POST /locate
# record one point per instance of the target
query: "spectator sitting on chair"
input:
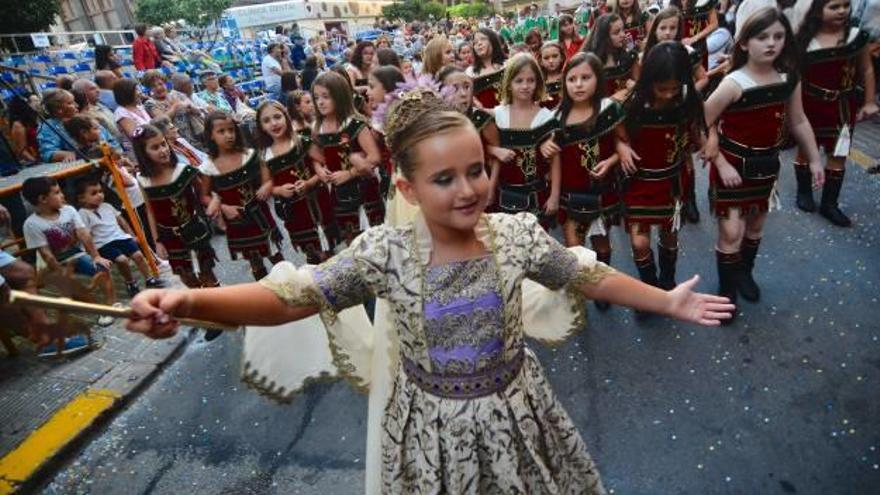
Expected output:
(166, 52)
(112, 234)
(54, 142)
(88, 98)
(130, 113)
(105, 80)
(58, 233)
(190, 124)
(212, 95)
(23, 130)
(106, 59)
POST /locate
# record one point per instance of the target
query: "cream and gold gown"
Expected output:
(458, 403)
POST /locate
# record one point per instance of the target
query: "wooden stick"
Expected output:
(134, 219)
(71, 306)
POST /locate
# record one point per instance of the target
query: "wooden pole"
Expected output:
(135, 221)
(70, 306)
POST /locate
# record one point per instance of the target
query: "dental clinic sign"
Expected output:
(280, 12)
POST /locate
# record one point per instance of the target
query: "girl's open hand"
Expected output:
(264, 192)
(230, 212)
(152, 310)
(504, 155)
(627, 158)
(695, 307)
(868, 110)
(729, 176)
(602, 168)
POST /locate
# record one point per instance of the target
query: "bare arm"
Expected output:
(802, 132)
(49, 257)
(869, 82)
(155, 309)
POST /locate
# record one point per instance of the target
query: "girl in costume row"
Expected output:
(834, 57)
(453, 278)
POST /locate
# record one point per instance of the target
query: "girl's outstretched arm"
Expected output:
(681, 303)
(243, 304)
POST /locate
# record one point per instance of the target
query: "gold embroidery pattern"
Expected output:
(589, 153)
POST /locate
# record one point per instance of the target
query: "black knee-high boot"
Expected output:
(667, 258)
(647, 272)
(604, 257)
(804, 187)
(728, 270)
(747, 286)
(830, 194)
(690, 211)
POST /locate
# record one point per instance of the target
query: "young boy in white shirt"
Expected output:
(112, 234)
(58, 233)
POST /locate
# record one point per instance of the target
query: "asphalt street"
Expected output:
(785, 401)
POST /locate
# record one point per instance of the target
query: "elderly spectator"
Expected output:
(144, 51)
(54, 142)
(190, 124)
(212, 95)
(131, 113)
(89, 102)
(233, 94)
(166, 51)
(106, 59)
(105, 80)
(174, 105)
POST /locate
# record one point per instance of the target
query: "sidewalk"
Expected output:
(47, 405)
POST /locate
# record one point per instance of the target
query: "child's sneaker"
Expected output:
(154, 283)
(107, 320)
(133, 289)
(71, 345)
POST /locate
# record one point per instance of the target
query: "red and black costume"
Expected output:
(831, 103)
(487, 89)
(348, 198)
(180, 220)
(523, 183)
(829, 88)
(695, 19)
(583, 198)
(553, 96)
(248, 235)
(305, 214)
(617, 76)
(636, 31)
(751, 132)
(653, 195)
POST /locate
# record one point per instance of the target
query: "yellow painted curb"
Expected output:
(861, 158)
(47, 440)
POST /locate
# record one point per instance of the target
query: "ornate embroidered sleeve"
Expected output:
(348, 279)
(554, 266)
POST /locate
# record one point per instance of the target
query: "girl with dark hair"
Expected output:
(835, 57)
(665, 27)
(635, 22)
(349, 158)
(664, 118)
(107, 59)
(552, 59)
(301, 110)
(487, 69)
(130, 114)
(301, 201)
(238, 184)
(382, 81)
(526, 179)
(621, 68)
(569, 38)
(176, 218)
(24, 122)
(586, 140)
(534, 42)
(700, 19)
(387, 56)
(361, 64)
(748, 116)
